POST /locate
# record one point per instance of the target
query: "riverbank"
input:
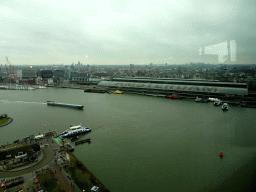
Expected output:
(84, 178)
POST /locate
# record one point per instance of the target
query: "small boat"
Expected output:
(173, 97)
(198, 99)
(213, 99)
(201, 100)
(224, 107)
(118, 92)
(74, 138)
(217, 103)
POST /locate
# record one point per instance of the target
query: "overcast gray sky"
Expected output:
(123, 31)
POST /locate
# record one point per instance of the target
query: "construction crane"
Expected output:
(6, 70)
(10, 71)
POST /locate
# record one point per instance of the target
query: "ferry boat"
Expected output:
(224, 107)
(75, 127)
(52, 103)
(75, 132)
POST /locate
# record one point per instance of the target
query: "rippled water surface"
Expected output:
(142, 143)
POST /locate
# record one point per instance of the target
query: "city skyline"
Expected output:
(124, 32)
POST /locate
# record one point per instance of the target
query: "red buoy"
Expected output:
(221, 154)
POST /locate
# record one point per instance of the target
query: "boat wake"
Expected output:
(7, 101)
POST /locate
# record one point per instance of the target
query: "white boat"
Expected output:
(75, 127)
(39, 87)
(213, 99)
(75, 132)
(225, 107)
(217, 103)
(19, 88)
(37, 137)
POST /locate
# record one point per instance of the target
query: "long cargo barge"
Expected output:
(52, 103)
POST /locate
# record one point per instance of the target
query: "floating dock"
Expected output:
(52, 103)
(83, 141)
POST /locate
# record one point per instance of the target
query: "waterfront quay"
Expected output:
(35, 162)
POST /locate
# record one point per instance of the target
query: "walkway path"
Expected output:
(46, 160)
(61, 179)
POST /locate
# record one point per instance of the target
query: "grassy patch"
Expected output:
(84, 179)
(48, 182)
(3, 120)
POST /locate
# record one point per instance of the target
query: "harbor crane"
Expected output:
(10, 71)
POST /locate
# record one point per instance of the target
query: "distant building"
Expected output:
(28, 73)
(19, 73)
(78, 76)
(46, 73)
(59, 74)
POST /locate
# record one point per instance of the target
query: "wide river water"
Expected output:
(142, 143)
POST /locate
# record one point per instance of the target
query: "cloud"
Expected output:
(120, 31)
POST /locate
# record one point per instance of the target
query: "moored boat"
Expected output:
(118, 92)
(75, 127)
(40, 87)
(213, 99)
(75, 132)
(95, 90)
(174, 96)
(198, 99)
(217, 103)
(225, 107)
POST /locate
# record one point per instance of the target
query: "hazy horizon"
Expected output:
(123, 32)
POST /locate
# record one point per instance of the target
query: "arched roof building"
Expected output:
(177, 85)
